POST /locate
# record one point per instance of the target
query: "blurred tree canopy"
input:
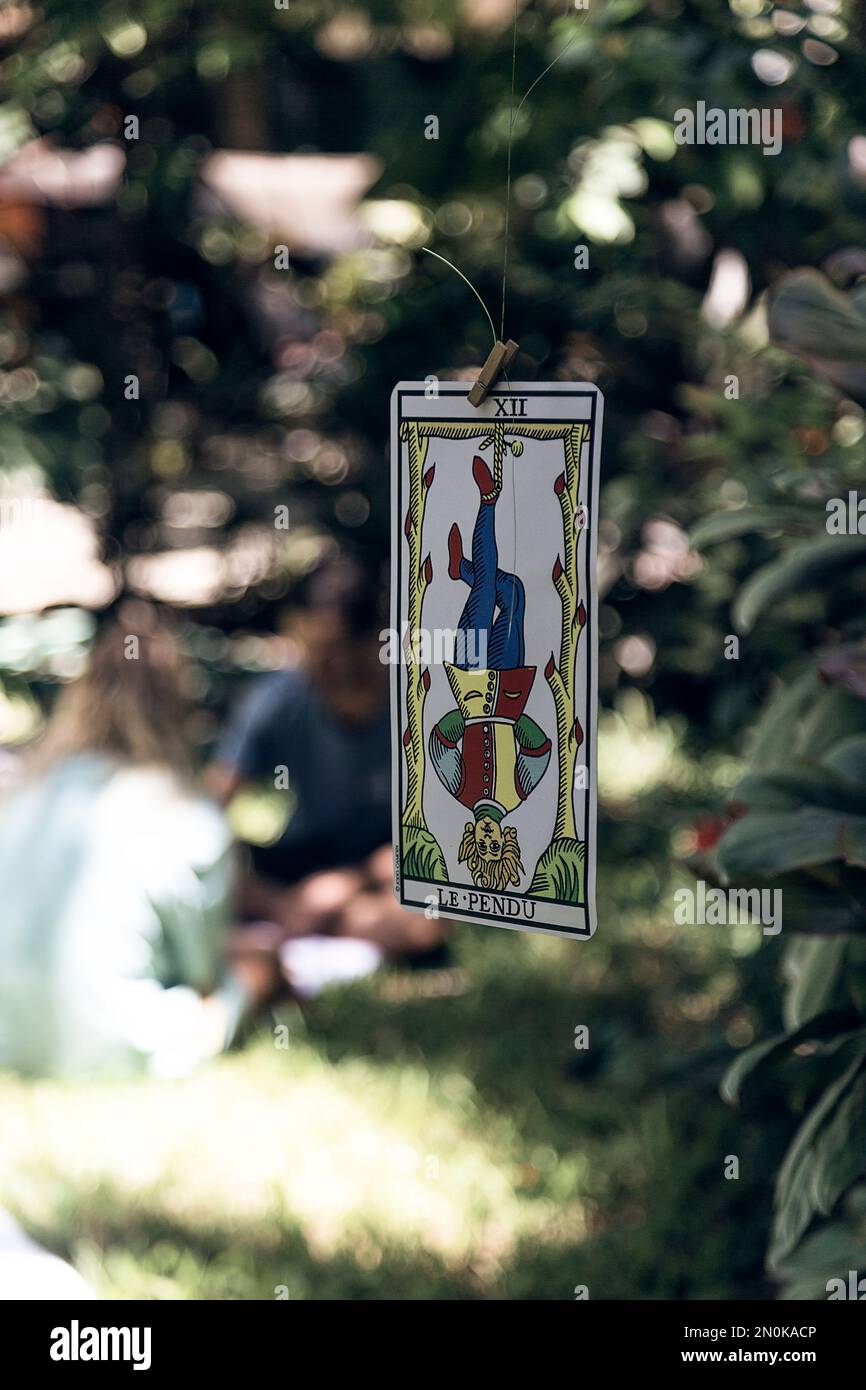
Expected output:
(211, 275)
(144, 249)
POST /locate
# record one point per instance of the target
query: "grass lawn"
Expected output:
(441, 1137)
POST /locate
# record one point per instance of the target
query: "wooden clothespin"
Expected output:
(500, 359)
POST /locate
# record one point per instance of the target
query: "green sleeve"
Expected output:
(529, 734)
(452, 726)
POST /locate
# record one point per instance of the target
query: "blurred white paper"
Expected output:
(312, 963)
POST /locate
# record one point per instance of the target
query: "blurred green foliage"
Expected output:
(262, 388)
(269, 387)
(801, 821)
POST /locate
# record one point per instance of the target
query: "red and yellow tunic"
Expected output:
(487, 752)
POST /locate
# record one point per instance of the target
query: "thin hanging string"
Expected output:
(511, 119)
(466, 281)
(505, 274)
(512, 114)
(511, 123)
(561, 54)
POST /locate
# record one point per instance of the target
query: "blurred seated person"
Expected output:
(327, 722)
(116, 878)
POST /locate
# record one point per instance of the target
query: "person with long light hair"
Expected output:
(116, 877)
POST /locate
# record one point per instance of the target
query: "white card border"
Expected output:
(587, 914)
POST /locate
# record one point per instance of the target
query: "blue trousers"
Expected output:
(490, 639)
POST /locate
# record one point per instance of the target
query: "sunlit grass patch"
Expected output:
(436, 1135)
(352, 1155)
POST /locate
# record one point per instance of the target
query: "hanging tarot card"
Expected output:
(494, 649)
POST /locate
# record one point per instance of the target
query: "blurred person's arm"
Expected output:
(223, 781)
(191, 889)
(245, 751)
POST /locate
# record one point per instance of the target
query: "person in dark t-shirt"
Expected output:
(325, 722)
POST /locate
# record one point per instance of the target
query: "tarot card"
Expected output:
(494, 652)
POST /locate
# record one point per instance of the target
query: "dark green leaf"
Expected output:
(799, 568)
(795, 1189)
(815, 968)
(826, 1027)
(809, 316)
(765, 843)
(724, 526)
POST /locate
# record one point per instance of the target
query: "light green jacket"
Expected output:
(115, 894)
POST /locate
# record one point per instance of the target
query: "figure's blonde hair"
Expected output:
(132, 708)
(493, 873)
